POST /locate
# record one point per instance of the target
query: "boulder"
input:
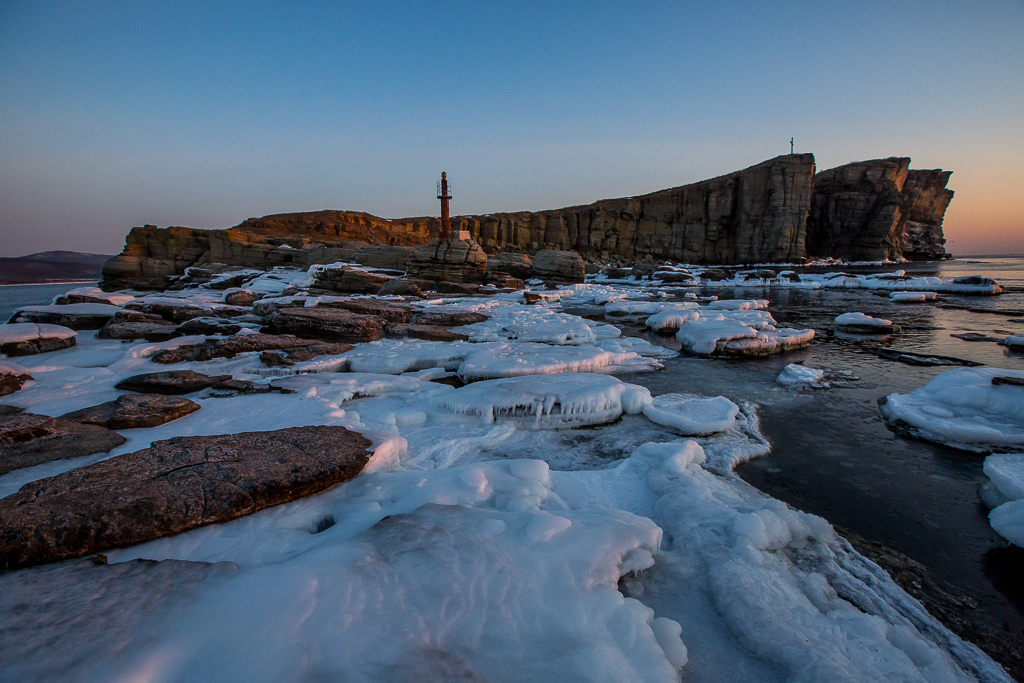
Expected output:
(27, 439)
(229, 347)
(134, 411)
(348, 280)
(453, 260)
(137, 325)
(26, 339)
(333, 324)
(558, 265)
(85, 316)
(174, 486)
(180, 312)
(172, 383)
(240, 297)
(517, 265)
(400, 287)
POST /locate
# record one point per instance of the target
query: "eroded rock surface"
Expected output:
(229, 347)
(171, 487)
(334, 324)
(27, 339)
(134, 411)
(27, 439)
(453, 260)
(558, 265)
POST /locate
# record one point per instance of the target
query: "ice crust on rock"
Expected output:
(912, 297)
(530, 324)
(1007, 474)
(798, 374)
(1015, 343)
(519, 359)
(546, 402)
(690, 414)
(963, 409)
(13, 333)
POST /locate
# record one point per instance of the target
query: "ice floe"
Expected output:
(798, 374)
(861, 320)
(962, 408)
(912, 297)
(518, 359)
(693, 415)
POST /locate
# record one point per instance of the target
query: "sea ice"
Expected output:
(546, 402)
(690, 414)
(1007, 475)
(530, 324)
(963, 409)
(1014, 343)
(798, 374)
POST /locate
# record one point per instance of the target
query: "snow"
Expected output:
(860, 319)
(912, 297)
(963, 409)
(13, 333)
(517, 359)
(545, 402)
(693, 415)
(798, 374)
(738, 305)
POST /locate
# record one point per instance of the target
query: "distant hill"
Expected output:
(51, 266)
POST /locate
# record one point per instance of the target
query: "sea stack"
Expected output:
(452, 256)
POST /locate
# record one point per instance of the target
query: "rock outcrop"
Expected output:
(171, 383)
(556, 265)
(171, 487)
(879, 209)
(459, 259)
(27, 339)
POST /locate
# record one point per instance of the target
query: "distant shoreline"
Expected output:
(47, 282)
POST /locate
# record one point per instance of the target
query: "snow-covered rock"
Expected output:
(798, 374)
(912, 297)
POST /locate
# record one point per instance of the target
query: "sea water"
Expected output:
(13, 297)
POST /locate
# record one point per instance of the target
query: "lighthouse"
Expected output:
(445, 197)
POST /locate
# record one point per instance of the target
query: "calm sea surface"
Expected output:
(16, 296)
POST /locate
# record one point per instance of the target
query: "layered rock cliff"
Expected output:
(878, 209)
(754, 215)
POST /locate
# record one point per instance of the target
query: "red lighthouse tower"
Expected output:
(444, 196)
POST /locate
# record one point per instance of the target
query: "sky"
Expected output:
(203, 114)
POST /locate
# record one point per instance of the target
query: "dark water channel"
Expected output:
(833, 456)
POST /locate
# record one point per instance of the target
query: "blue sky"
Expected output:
(202, 114)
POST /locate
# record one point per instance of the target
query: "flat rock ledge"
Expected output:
(172, 487)
(27, 439)
(134, 411)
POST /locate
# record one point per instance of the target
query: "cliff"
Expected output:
(754, 215)
(878, 209)
(776, 211)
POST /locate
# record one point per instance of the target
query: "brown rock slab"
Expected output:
(241, 297)
(392, 313)
(428, 332)
(27, 439)
(87, 318)
(231, 346)
(134, 411)
(335, 324)
(349, 280)
(174, 486)
(400, 287)
(170, 383)
(11, 381)
(453, 260)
